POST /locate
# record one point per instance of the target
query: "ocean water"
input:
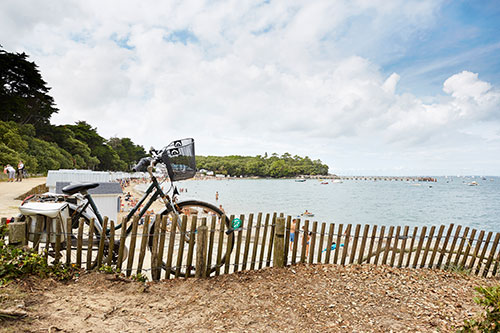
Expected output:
(449, 200)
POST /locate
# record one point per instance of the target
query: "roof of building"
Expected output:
(103, 188)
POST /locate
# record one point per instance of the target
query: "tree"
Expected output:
(24, 94)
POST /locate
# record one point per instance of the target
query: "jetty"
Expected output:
(376, 178)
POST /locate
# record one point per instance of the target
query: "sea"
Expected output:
(397, 203)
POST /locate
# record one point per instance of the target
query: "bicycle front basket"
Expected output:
(179, 158)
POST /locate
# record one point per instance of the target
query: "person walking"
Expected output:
(11, 172)
(20, 171)
(217, 196)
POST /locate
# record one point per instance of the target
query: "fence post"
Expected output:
(279, 243)
(3, 223)
(201, 252)
(17, 233)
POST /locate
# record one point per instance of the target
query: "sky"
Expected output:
(369, 87)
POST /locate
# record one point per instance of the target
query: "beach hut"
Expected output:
(106, 195)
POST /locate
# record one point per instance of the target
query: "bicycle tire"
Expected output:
(206, 208)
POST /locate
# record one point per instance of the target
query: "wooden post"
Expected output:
(279, 243)
(170, 250)
(144, 243)
(100, 251)
(288, 224)
(363, 244)
(295, 241)
(229, 245)
(121, 248)
(271, 239)
(68, 240)
(372, 243)
(395, 247)
(483, 253)
(312, 244)
(220, 244)
(79, 243)
(111, 246)
(321, 241)
(180, 251)
(201, 252)
(461, 246)
(419, 246)
(155, 263)
(355, 243)
(413, 237)
(263, 245)
(479, 243)
(238, 245)
(161, 245)
(445, 245)
(247, 242)
(436, 246)
(17, 233)
(403, 247)
(346, 244)
(387, 245)
(210, 247)
(58, 240)
(339, 235)
(192, 238)
(90, 244)
(256, 242)
(304, 242)
(452, 247)
(491, 256)
(427, 246)
(379, 244)
(133, 240)
(467, 249)
(329, 243)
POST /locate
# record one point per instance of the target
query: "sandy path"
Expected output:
(9, 191)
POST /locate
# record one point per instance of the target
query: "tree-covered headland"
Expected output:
(26, 134)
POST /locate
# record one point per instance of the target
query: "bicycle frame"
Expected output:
(154, 188)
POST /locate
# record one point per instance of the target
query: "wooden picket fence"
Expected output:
(195, 246)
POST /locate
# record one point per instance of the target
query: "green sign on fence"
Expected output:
(236, 223)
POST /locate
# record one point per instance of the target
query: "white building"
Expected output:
(106, 195)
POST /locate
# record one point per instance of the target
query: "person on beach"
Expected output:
(216, 196)
(20, 171)
(292, 232)
(222, 209)
(10, 171)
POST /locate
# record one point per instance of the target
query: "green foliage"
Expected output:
(262, 166)
(23, 93)
(459, 269)
(107, 269)
(139, 277)
(489, 299)
(19, 262)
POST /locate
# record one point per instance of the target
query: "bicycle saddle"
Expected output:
(72, 189)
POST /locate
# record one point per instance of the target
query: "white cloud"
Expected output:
(246, 78)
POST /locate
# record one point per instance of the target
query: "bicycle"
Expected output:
(179, 159)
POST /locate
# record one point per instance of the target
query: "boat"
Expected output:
(307, 214)
(300, 180)
(337, 181)
(324, 182)
(472, 184)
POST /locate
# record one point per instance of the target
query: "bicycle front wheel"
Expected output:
(180, 256)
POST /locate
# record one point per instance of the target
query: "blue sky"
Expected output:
(369, 87)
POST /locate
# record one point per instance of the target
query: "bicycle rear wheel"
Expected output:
(182, 241)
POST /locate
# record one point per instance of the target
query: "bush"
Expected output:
(19, 262)
(489, 299)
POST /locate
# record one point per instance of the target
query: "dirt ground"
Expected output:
(9, 207)
(303, 298)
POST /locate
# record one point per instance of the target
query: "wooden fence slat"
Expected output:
(419, 246)
(111, 246)
(395, 249)
(491, 256)
(452, 248)
(48, 227)
(256, 241)
(339, 243)
(363, 244)
(483, 253)
(271, 240)
(436, 246)
(211, 239)
(121, 248)
(247, 242)
(461, 246)
(355, 244)
(467, 249)
(379, 244)
(238, 245)
(287, 237)
(445, 245)
(155, 263)
(413, 237)
(38, 231)
(171, 244)
(495, 267)
(262, 247)
(201, 251)
(479, 243)
(180, 251)
(372, 243)
(163, 221)
(427, 246)
(100, 250)
(321, 241)
(90, 244)
(68, 240)
(57, 255)
(388, 245)
(295, 245)
(218, 264)
(133, 240)
(79, 244)
(312, 242)
(144, 241)
(346, 244)
(305, 242)
(229, 246)
(329, 243)
(192, 240)
(402, 251)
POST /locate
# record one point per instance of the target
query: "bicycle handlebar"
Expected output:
(142, 165)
